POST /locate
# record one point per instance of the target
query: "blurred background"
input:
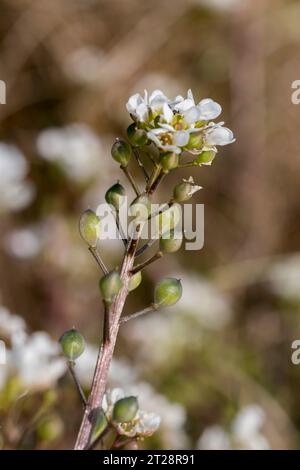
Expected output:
(217, 367)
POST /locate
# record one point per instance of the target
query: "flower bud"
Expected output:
(110, 285)
(135, 281)
(121, 152)
(72, 344)
(89, 227)
(184, 191)
(137, 137)
(205, 158)
(167, 292)
(169, 161)
(170, 242)
(115, 195)
(99, 423)
(125, 409)
(141, 207)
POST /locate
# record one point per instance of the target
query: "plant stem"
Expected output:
(151, 308)
(120, 230)
(156, 182)
(140, 163)
(147, 245)
(107, 348)
(98, 259)
(131, 180)
(141, 266)
(71, 365)
(106, 323)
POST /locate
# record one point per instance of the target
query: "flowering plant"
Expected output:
(171, 128)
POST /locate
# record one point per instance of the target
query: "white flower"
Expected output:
(219, 135)
(24, 243)
(140, 107)
(168, 139)
(284, 276)
(12, 326)
(75, 147)
(36, 361)
(214, 438)
(205, 110)
(15, 192)
(245, 432)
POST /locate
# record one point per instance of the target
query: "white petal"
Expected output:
(209, 109)
(142, 112)
(167, 126)
(153, 137)
(167, 113)
(133, 102)
(157, 94)
(184, 105)
(190, 95)
(146, 96)
(171, 148)
(191, 115)
(220, 136)
(181, 138)
(158, 130)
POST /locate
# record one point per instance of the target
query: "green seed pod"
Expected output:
(72, 344)
(141, 207)
(137, 137)
(125, 409)
(205, 158)
(169, 161)
(170, 242)
(115, 195)
(185, 190)
(89, 227)
(99, 423)
(135, 281)
(110, 285)
(121, 152)
(167, 292)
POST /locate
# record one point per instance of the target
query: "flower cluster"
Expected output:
(180, 124)
(142, 424)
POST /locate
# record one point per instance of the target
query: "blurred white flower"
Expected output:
(15, 192)
(12, 326)
(204, 302)
(222, 5)
(84, 65)
(214, 438)
(245, 432)
(24, 243)
(36, 361)
(284, 277)
(246, 428)
(76, 147)
(85, 365)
